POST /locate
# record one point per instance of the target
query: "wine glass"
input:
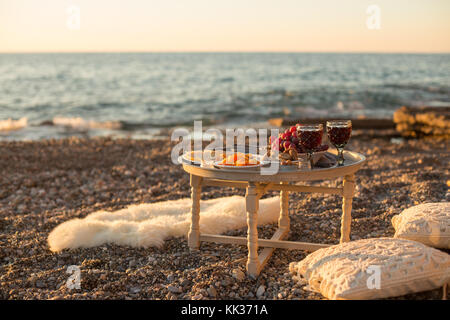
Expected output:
(339, 132)
(310, 138)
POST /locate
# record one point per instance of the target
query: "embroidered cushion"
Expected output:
(373, 268)
(428, 223)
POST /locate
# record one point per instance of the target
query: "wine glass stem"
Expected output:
(310, 159)
(340, 156)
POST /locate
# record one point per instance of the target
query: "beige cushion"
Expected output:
(428, 223)
(345, 271)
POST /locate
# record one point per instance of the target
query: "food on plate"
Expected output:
(239, 159)
(288, 156)
(206, 155)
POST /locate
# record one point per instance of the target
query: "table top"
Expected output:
(353, 161)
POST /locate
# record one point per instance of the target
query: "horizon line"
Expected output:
(226, 51)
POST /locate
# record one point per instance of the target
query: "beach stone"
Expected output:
(135, 290)
(212, 292)
(132, 263)
(238, 275)
(226, 282)
(171, 277)
(260, 291)
(185, 283)
(174, 289)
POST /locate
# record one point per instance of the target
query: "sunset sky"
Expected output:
(231, 25)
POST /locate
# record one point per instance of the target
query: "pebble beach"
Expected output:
(44, 183)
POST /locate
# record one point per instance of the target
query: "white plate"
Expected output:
(197, 155)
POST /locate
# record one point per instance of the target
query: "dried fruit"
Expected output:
(285, 156)
(293, 153)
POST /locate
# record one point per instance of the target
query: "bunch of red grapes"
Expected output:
(290, 140)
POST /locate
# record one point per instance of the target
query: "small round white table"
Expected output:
(256, 185)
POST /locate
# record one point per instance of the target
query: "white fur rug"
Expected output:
(149, 225)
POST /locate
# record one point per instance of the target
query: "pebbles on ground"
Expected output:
(45, 183)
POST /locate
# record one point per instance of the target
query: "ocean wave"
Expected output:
(80, 123)
(11, 124)
(441, 89)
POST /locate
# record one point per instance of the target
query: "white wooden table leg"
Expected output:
(284, 221)
(194, 231)
(251, 202)
(349, 188)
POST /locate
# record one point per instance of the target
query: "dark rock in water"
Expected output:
(423, 121)
(47, 123)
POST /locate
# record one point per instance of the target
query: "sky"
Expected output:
(227, 25)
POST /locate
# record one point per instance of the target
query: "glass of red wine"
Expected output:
(339, 132)
(310, 138)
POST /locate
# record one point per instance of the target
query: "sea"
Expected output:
(145, 95)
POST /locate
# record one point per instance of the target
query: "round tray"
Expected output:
(353, 162)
